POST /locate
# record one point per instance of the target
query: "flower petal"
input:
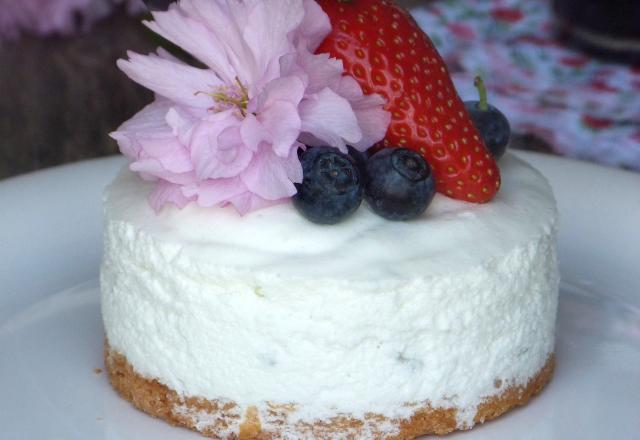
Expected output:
(253, 133)
(289, 88)
(151, 169)
(169, 152)
(147, 135)
(292, 165)
(282, 121)
(268, 174)
(181, 124)
(247, 202)
(348, 88)
(322, 71)
(225, 21)
(148, 122)
(214, 192)
(268, 27)
(315, 26)
(329, 117)
(233, 156)
(204, 143)
(176, 81)
(372, 118)
(165, 192)
(194, 37)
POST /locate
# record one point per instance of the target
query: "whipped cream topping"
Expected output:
(364, 316)
(451, 236)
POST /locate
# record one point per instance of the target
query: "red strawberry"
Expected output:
(385, 50)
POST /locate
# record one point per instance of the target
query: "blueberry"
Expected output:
(400, 184)
(331, 189)
(360, 157)
(491, 123)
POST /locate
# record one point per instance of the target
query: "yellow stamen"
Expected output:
(227, 98)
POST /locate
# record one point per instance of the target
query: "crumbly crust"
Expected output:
(158, 400)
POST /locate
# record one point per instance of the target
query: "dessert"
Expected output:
(262, 280)
(309, 332)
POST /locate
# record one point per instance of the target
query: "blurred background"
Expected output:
(565, 72)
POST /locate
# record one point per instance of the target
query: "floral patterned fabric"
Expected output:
(583, 107)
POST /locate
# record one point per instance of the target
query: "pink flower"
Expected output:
(230, 132)
(47, 17)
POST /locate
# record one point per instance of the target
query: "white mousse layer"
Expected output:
(363, 316)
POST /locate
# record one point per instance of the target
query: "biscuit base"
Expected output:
(223, 419)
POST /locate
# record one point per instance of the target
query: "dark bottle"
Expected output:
(606, 28)
(158, 5)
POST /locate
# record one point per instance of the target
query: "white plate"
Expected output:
(50, 343)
